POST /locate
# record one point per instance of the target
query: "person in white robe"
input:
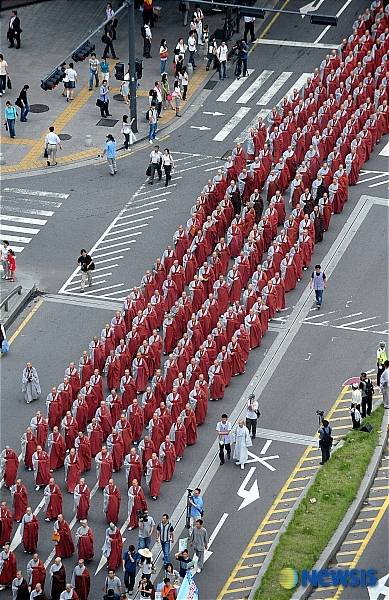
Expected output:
(241, 438)
(30, 383)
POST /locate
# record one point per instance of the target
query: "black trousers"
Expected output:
(325, 453)
(380, 370)
(129, 580)
(251, 425)
(366, 405)
(109, 47)
(249, 28)
(104, 110)
(227, 448)
(146, 47)
(13, 36)
(168, 169)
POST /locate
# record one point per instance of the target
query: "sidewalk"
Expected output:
(73, 21)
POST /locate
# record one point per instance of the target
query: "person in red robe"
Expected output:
(56, 450)
(166, 417)
(53, 500)
(167, 454)
(115, 447)
(113, 546)
(86, 368)
(36, 572)
(170, 372)
(29, 531)
(133, 465)
(40, 428)
(112, 370)
(72, 470)
(127, 389)
(91, 396)
(124, 429)
(225, 361)
(19, 500)
(253, 326)
(85, 541)
(74, 379)
(216, 381)
(189, 418)
(81, 500)
(135, 417)
(7, 567)
(97, 384)
(80, 411)
(64, 547)
(29, 444)
(112, 500)
(103, 416)
(9, 463)
(156, 431)
(149, 405)
(6, 524)
(178, 437)
(83, 450)
(155, 343)
(41, 463)
(278, 283)
(198, 402)
(104, 467)
(136, 502)
(70, 430)
(81, 580)
(243, 338)
(140, 372)
(154, 475)
(237, 364)
(146, 449)
(54, 408)
(95, 434)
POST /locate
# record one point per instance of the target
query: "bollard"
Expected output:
(2, 159)
(88, 141)
(144, 113)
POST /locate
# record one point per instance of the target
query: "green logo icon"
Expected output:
(288, 578)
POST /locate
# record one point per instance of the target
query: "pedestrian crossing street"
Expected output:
(111, 251)
(245, 89)
(24, 213)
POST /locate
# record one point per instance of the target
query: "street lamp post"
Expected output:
(131, 63)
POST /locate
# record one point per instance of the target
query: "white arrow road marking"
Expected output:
(103, 560)
(266, 446)
(384, 151)
(310, 7)
(214, 114)
(263, 460)
(208, 553)
(250, 495)
(380, 589)
(201, 128)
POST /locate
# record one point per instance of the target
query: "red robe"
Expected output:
(138, 504)
(95, 438)
(82, 585)
(57, 452)
(73, 474)
(70, 426)
(86, 370)
(84, 502)
(218, 384)
(155, 481)
(128, 390)
(30, 535)
(11, 467)
(65, 546)
(117, 450)
(8, 572)
(84, 453)
(136, 421)
(113, 497)
(105, 469)
(180, 439)
(6, 525)
(19, 501)
(190, 426)
(85, 546)
(115, 557)
(169, 460)
(43, 469)
(54, 507)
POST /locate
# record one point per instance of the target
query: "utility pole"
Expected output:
(131, 63)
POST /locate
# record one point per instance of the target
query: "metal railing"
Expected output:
(5, 302)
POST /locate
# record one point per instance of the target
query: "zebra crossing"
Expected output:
(21, 214)
(242, 91)
(111, 251)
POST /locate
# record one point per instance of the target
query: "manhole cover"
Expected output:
(39, 108)
(210, 85)
(118, 97)
(107, 122)
(64, 136)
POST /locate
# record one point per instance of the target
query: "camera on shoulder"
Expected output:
(142, 515)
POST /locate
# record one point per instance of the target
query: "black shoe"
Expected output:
(321, 463)
(109, 115)
(229, 456)
(48, 163)
(221, 462)
(166, 184)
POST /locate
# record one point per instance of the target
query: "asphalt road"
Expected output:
(308, 374)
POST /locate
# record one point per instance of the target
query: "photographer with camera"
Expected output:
(325, 439)
(252, 415)
(146, 528)
(195, 502)
(243, 52)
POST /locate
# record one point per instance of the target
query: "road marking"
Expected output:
(243, 135)
(348, 316)
(292, 43)
(262, 461)
(36, 193)
(18, 238)
(320, 315)
(214, 114)
(82, 302)
(29, 230)
(311, 7)
(384, 151)
(359, 321)
(109, 287)
(124, 243)
(277, 85)
(97, 254)
(109, 260)
(28, 211)
(232, 123)
(254, 87)
(207, 552)
(284, 436)
(130, 228)
(380, 183)
(329, 26)
(47, 203)
(200, 127)
(150, 203)
(250, 495)
(23, 220)
(266, 446)
(232, 88)
(298, 84)
(371, 178)
(25, 321)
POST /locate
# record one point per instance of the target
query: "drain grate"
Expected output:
(39, 108)
(107, 122)
(118, 98)
(64, 136)
(210, 85)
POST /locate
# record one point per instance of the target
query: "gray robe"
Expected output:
(241, 437)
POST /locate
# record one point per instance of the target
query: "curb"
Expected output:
(29, 289)
(283, 528)
(341, 533)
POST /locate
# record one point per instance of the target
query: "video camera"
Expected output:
(142, 515)
(320, 414)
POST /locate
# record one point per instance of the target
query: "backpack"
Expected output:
(148, 115)
(143, 32)
(326, 440)
(369, 388)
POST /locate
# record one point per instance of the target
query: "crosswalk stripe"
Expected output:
(36, 193)
(18, 238)
(232, 88)
(243, 135)
(232, 123)
(277, 85)
(254, 87)
(18, 229)
(47, 203)
(125, 216)
(130, 228)
(17, 248)
(23, 220)
(28, 211)
(299, 83)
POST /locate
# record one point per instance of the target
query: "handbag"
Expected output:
(169, 97)
(6, 126)
(148, 171)
(4, 346)
(56, 536)
(45, 153)
(99, 103)
(104, 39)
(9, 83)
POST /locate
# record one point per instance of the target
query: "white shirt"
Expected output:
(3, 67)
(249, 19)
(191, 44)
(156, 157)
(222, 52)
(52, 138)
(4, 253)
(72, 74)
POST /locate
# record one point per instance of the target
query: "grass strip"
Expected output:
(314, 523)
